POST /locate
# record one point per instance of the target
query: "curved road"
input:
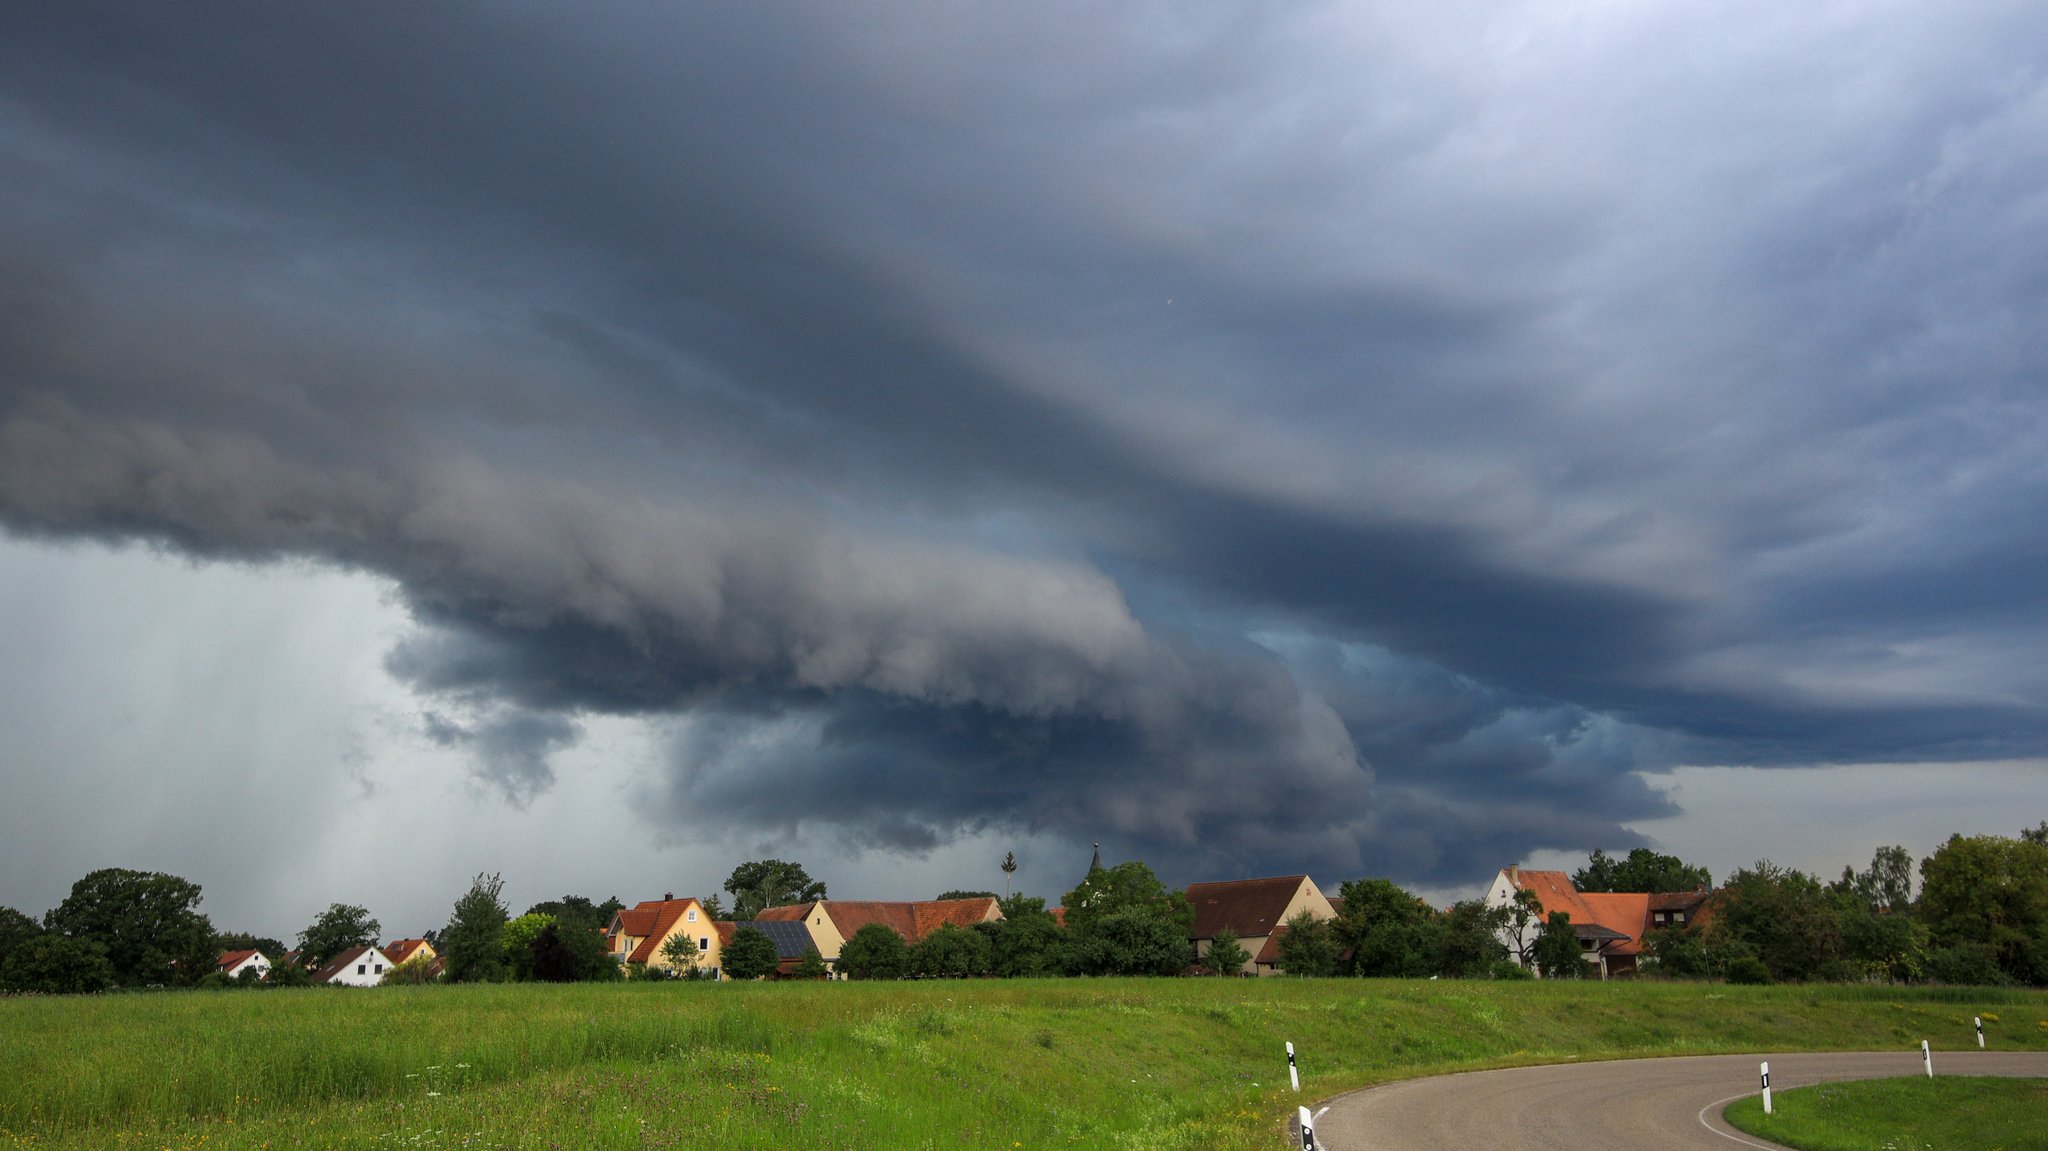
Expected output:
(1649, 1103)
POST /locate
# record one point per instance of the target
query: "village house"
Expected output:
(1256, 911)
(233, 963)
(639, 933)
(356, 967)
(1612, 926)
(831, 922)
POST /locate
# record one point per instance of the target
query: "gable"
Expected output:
(1247, 908)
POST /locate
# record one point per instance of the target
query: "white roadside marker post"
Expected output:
(1308, 1130)
(1980, 1031)
(1927, 1057)
(1767, 1086)
(1293, 1076)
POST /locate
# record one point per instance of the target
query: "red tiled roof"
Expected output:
(665, 913)
(230, 959)
(929, 917)
(637, 920)
(850, 915)
(1249, 908)
(793, 913)
(403, 949)
(1269, 955)
(1622, 912)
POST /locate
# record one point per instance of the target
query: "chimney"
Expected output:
(667, 896)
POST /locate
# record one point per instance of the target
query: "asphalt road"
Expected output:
(1636, 1103)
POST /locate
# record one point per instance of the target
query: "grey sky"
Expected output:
(1321, 438)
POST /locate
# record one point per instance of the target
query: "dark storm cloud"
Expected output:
(941, 415)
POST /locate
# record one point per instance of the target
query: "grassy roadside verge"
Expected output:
(1909, 1114)
(1001, 1064)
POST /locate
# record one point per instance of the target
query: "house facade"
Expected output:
(639, 933)
(1612, 926)
(831, 922)
(1256, 911)
(356, 967)
(233, 963)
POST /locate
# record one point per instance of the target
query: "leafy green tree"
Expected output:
(1521, 920)
(1128, 886)
(474, 941)
(243, 941)
(146, 921)
(1137, 940)
(1878, 945)
(874, 952)
(945, 895)
(413, 972)
(1785, 917)
(952, 952)
(2036, 835)
(1642, 870)
(1557, 951)
(1225, 955)
(1470, 944)
(811, 966)
(1990, 890)
(15, 930)
(679, 952)
(56, 964)
(1888, 884)
(293, 975)
(1025, 942)
(578, 911)
(1389, 931)
(1309, 947)
(765, 883)
(335, 930)
(750, 955)
(714, 908)
(549, 959)
(515, 943)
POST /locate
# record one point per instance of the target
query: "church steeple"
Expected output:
(1095, 861)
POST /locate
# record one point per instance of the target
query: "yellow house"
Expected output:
(402, 950)
(639, 933)
(1254, 910)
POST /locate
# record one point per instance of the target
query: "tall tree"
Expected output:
(15, 930)
(764, 883)
(874, 952)
(1785, 917)
(1308, 948)
(335, 930)
(1390, 932)
(55, 964)
(1129, 886)
(1642, 870)
(1471, 943)
(1025, 942)
(578, 911)
(750, 955)
(1992, 892)
(147, 922)
(1557, 951)
(474, 941)
(516, 943)
(244, 941)
(1009, 866)
(1138, 940)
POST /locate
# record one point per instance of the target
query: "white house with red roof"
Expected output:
(233, 963)
(1611, 925)
(355, 967)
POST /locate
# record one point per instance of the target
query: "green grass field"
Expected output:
(1910, 1114)
(1130, 1064)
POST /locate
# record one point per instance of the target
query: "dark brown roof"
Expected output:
(228, 959)
(1249, 908)
(340, 963)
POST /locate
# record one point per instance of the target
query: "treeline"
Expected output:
(1979, 916)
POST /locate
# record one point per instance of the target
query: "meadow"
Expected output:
(1129, 1064)
(1906, 1114)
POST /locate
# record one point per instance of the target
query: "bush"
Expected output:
(875, 952)
(750, 955)
(1748, 969)
(56, 964)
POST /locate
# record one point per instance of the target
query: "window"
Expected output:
(1678, 917)
(380, 969)
(704, 943)
(362, 969)
(693, 915)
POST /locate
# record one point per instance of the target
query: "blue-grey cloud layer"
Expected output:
(1323, 438)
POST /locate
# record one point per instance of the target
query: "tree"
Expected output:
(335, 930)
(1993, 891)
(244, 941)
(549, 959)
(752, 955)
(1009, 866)
(1308, 948)
(15, 930)
(945, 895)
(1887, 886)
(1643, 870)
(1025, 942)
(1521, 920)
(474, 941)
(578, 911)
(55, 964)
(1128, 886)
(1470, 946)
(145, 920)
(2036, 835)
(764, 883)
(1784, 917)
(811, 966)
(952, 952)
(874, 952)
(1557, 951)
(679, 953)
(1225, 955)
(1137, 940)
(412, 972)
(1390, 932)
(515, 943)
(714, 908)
